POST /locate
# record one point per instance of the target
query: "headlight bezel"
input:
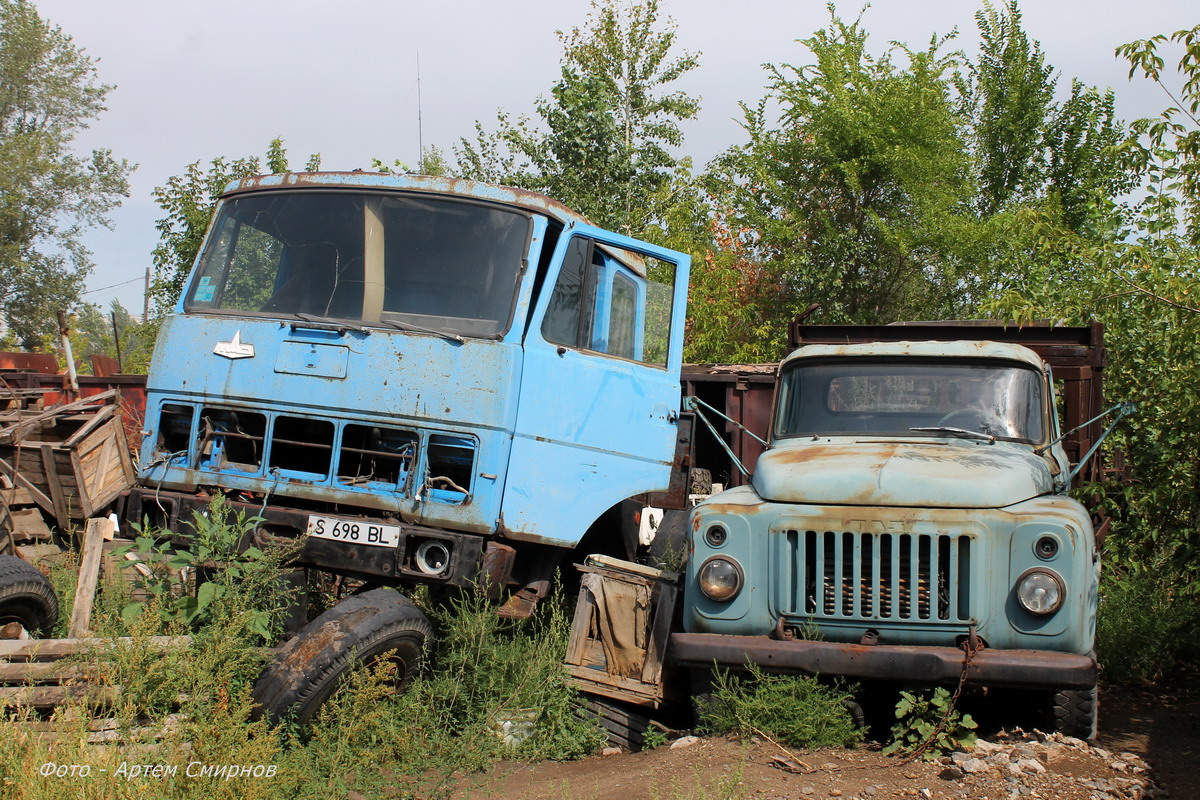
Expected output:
(1023, 595)
(728, 594)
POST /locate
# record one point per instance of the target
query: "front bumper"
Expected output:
(1039, 669)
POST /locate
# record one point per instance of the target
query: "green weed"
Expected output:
(795, 710)
(1147, 626)
(930, 721)
(191, 702)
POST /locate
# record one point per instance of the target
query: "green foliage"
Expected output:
(796, 710)
(896, 186)
(191, 702)
(929, 720)
(483, 666)
(1134, 268)
(1012, 89)
(653, 738)
(602, 143)
(49, 92)
(854, 184)
(213, 577)
(1147, 624)
(188, 201)
(92, 333)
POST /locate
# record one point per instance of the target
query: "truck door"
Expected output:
(599, 398)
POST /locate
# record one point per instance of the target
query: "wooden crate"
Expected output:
(620, 630)
(74, 461)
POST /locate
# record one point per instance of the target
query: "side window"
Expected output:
(622, 320)
(569, 316)
(613, 301)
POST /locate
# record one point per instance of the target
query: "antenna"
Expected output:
(420, 134)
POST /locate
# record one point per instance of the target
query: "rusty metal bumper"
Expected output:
(1016, 668)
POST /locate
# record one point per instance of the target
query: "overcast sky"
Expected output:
(223, 77)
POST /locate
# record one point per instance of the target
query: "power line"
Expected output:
(113, 286)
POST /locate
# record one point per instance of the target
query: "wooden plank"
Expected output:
(656, 647)
(89, 574)
(51, 696)
(580, 627)
(98, 419)
(51, 649)
(20, 479)
(39, 672)
(22, 429)
(596, 681)
(54, 486)
(83, 497)
(17, 496)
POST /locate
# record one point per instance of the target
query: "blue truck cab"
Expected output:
(908, 521)
(429, 380)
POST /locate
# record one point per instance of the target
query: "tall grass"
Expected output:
(1146, 627)
(190, 705)
(795, 710)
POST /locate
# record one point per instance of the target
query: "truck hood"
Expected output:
(935, 474)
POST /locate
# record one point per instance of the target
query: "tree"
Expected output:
(603, 140)
(1011, 94)
(853, 186)
(1028, 148)
(49, 92)
(189, 200)
(1142, 280)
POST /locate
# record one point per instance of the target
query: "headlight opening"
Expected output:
(1040, 591)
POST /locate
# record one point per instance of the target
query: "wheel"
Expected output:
(624, 727)
(1075, 712)
(668, 548)
(26, 596)
(358, 632)
(700, 481)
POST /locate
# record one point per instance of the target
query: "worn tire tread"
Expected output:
(26, 594)
(1075, 712)
(289, 685)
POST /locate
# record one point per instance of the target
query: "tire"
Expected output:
(357, 632)
(1075, 712)
(624, 727)
(700, 481)
(668, 548)
(26, 596)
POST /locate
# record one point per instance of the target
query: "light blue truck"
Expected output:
(908, 519)
(433, 381)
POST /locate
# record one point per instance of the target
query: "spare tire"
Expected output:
(358, 632)
(26, 596)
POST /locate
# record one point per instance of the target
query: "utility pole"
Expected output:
(146, 300)
(420, 132)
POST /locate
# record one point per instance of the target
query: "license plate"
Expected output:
(353, 531)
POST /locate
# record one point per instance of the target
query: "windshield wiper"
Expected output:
(408, 326)
(962, 433)
(340, 325)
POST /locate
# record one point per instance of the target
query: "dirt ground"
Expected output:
(1162, 727)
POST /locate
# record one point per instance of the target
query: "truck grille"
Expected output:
(898, 576)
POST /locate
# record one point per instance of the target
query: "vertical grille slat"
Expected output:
(887, 576)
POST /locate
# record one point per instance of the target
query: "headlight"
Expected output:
(1040, 592)
(720, 578)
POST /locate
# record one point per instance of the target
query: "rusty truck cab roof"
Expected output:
(387, 181)
(956, 349)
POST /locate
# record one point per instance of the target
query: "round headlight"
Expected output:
(1040, 592)
(720, 578)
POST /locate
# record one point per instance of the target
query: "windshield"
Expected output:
(431, 262)
(889, 397)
